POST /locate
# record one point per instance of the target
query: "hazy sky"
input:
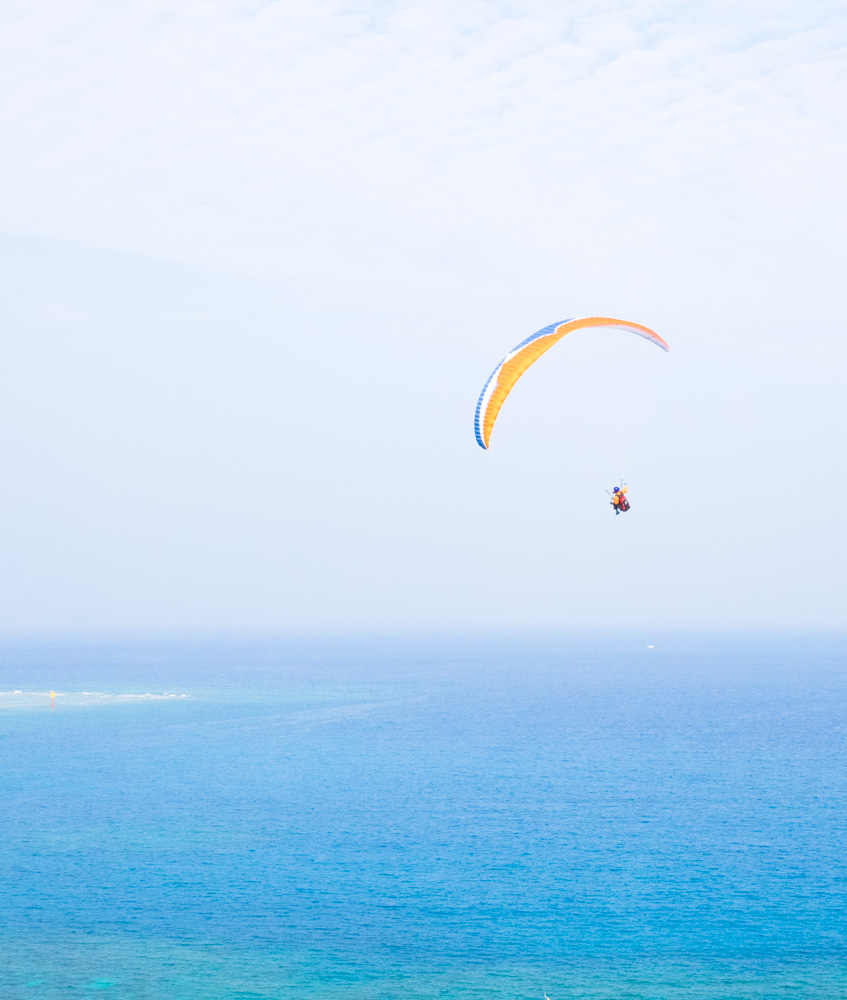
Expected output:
(259, 259)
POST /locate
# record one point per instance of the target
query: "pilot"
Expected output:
(619, 501)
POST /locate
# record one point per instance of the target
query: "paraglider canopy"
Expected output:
(506, 374)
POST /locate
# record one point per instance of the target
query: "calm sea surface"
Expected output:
(424, 818)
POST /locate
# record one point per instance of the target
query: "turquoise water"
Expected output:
(424, 818)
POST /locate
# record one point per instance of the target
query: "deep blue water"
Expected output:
(584, 817)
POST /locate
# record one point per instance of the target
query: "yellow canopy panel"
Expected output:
(510, 369)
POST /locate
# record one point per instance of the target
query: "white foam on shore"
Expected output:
(11, 699)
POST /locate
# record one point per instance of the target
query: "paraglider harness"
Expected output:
(623, 503)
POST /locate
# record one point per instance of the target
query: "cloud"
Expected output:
(285, 137)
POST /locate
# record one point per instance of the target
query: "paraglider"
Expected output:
(502, 380)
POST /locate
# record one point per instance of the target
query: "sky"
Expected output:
(260, 258)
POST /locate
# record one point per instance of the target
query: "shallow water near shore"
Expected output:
(450, 817)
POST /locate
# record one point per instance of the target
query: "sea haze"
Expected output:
(416, 817)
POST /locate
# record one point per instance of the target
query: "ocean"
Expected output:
(424, 817)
